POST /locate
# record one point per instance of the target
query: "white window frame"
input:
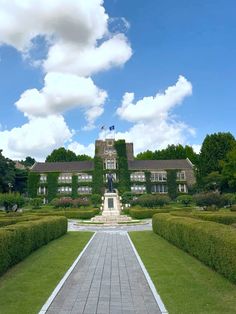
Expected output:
(158, 176)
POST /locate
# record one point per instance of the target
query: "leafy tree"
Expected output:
(171, 152)
(7, 173)
(213, 181)
(214, 149)
(20, 184)
(28, 162)
(61, 154)
(229, 169)
(83, 157)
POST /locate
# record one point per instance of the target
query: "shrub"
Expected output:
(82, 201)
(209, 199)
(151, 201)
(36, 203)
(127, 197)
(141, 213)
(229, 199)
(96, 199)
(212, 243)
(185, 199)
(19, 240)
(233, 208)
(62, 202)
(8, 200)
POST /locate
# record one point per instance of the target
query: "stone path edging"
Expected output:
(149, 280)
(61, 283)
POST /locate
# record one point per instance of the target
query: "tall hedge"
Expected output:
(52, 180)
(122, 171)
(148, 181)
(33, 181)
(212, 243)
(19, 240)
(74, 186)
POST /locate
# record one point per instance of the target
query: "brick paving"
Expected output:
(107, 279)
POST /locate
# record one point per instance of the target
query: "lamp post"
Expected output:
(10, 186)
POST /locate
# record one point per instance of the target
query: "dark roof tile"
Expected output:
(160, 164)
(70, 166)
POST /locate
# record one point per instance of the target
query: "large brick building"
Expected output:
(77, 177)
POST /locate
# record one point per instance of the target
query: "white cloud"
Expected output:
(112, 52)
(154, 127)
(62, 92)
(157, 107)
(81, 149)
(76, 30)
(37, 138)
(197, 148)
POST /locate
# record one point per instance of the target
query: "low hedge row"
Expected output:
(222, 218)
(145, 213)
(212, 243)
(5, 221)
(78, 214)
(19, 240)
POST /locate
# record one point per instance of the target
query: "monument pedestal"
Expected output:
(111, 205)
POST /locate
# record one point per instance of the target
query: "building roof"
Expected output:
(160, 164)
(67, 166)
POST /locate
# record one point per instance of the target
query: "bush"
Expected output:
(11, 220)
(215, 200)
(82, 201)
(36, 203)
(62, 202)
(141, 213)
(233, 208)
(222, 218)
(151, 201)
(9, 200)
(212, 243)
(19, 240)
(185, 199)
(127, 197)
(96, 199)
(229, 199)
(73, 214)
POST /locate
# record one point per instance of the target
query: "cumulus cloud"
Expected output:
(37, 138)
(78, 44)
(81, 149)
(153, 124)
(62, 92)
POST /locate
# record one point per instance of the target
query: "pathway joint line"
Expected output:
(61, 283)
(149, 280)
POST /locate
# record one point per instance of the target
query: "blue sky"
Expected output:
(162, 72)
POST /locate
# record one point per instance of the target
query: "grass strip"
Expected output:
(184, 284)
(25, 287)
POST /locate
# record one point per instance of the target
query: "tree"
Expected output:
(28, 162)
(214, 149)
(20, 184)
(83, 157)
(7, 173)
(229, 169)
(61, 154)
(171, 152)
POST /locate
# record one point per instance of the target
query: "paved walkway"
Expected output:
(107, 279)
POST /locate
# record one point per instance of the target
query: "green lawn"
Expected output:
(184, 284)
(26, 286)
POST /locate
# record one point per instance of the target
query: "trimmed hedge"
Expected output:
(5, 221)
(19, 240)
(212, 243)
(222, 218)
(72, 214)
(145, 213)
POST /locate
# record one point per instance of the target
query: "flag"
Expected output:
(103, 127)
(112, 128)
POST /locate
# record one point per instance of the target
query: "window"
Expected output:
(65, 178)
(105, 177)
(182, 188)
(159, 188)
(110, 164)
(138, 188)
(181, 175)
(84, 177)
(84, 190)
(109, 151)
(158, 176)
(42, 190)
(43, 178)
(64, 190)
(138, 176)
